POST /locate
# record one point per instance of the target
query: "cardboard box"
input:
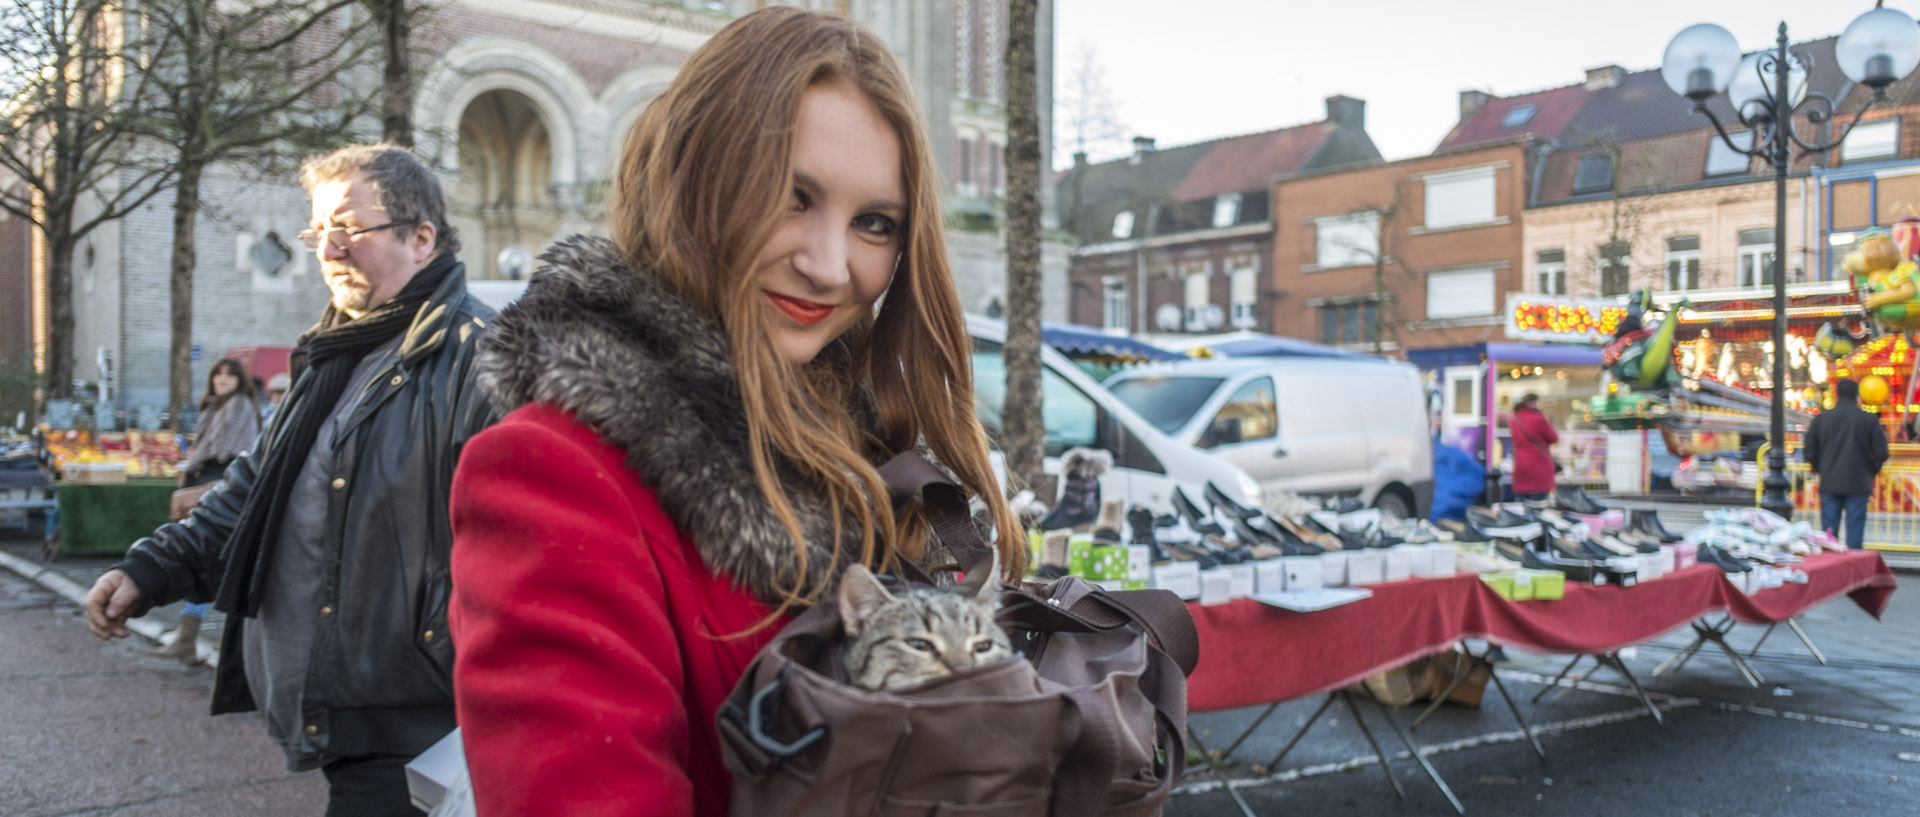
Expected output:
(1685, 555)
(95, 473)
(1402, 686)
(1139, 564)
(1216, 586)
(431, 773)
(1333, 568)
(1270, 575)
(1398, 565)
(1543, 585)
(1179, 578)
(1305, 572)
(1502, 582)
(1365, 567)
(1444, 560)
(1241, 580)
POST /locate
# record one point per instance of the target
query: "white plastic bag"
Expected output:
(458, 801)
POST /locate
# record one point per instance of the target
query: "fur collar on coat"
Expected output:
(636, 362)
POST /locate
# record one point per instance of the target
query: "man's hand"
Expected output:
(108, 603)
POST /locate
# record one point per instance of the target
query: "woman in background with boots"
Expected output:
(229, 423)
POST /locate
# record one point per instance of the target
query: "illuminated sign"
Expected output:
(1567, 320)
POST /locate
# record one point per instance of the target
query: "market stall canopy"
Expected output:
(1085, 342)
(1252, 344)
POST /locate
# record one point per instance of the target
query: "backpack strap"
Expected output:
(908, 476)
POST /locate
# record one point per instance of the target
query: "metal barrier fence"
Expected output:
(1893, 512)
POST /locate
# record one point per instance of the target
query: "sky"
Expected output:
(1188, 71)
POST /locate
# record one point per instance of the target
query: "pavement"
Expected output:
(1831, 740)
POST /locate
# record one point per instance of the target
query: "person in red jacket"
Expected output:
(696, 411)
(1533, 438)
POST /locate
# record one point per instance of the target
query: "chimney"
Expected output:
(1606, 76)
(1142, 145)
(1346, 111)
(1471, 101)
(1079, 158)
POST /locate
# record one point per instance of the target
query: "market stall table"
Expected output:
(1255, 654)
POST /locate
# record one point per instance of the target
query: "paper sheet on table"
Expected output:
(1307, 601)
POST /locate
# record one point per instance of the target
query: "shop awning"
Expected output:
(1081, 342)
(1275, 346)
(1566, 354)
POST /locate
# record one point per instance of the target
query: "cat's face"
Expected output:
(922, 633)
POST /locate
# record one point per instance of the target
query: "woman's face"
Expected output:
(224, 382)
(833, 252)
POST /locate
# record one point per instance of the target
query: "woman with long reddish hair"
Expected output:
(697, 410)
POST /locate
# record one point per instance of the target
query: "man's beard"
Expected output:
(351, 299)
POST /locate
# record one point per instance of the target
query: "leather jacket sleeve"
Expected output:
(183, 560)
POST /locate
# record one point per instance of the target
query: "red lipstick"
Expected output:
(805, 313)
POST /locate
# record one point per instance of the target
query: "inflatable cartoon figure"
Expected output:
(1642, 357)
(1889, 284)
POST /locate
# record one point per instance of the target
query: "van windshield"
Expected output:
(1166, 402)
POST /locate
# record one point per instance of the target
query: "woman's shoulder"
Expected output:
(537, 431)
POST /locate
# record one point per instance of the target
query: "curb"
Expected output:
(51, 580)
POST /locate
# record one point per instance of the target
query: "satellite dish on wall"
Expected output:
(1214, 316)
(1167, 317)
(514, 262)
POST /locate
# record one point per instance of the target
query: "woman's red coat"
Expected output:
(589, 635)
(1533, 438)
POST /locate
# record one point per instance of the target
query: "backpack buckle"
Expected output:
(756, 719)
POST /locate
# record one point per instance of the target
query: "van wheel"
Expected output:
(1391, 503)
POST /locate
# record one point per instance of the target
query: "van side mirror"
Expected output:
(1223, 430)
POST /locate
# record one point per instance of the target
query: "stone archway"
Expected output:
(504, 196)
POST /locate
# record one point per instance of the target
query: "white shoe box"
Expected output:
(1179, 578)
(1216, 586)
(1365, 567)
(1303, 572)
(1399, 564)
(1333, 568)
(1139, 563)
(1241, 581)
(1443, 560)
(1420, 560)
(1270, 575)
(1653, 566)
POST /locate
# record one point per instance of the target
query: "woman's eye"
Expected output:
(920, 644)
(801, 200)
(877, 225)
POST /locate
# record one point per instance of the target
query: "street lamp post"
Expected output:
(1768, 89)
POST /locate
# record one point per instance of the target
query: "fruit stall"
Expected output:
(113, 487)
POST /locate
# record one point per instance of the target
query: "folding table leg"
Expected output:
(1224, 758)
(1414, 749)
(1524, 727)
(1386, 765)
(1459, 678)
(1298, 735)
(1240, 801)
(1795, 625)
(1763, 639)
(1679, 659)
(1612, 660)
(1556, 679)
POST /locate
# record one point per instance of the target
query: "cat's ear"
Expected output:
(983, 584)
(860, 595)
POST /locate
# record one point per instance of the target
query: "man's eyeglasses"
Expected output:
(340, 237)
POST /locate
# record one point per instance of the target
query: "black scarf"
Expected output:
(333, 348)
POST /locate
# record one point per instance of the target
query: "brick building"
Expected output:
(1181, 238)
(522, 105)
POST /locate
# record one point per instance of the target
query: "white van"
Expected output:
(1077, 412)
(1320, 426)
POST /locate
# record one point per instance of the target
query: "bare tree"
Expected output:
(69, 161)
(1023, 436)
(1388, 272)
(395, 19)
(1088, 109)
(255, 84)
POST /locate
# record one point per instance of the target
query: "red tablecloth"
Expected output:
(1251, 653)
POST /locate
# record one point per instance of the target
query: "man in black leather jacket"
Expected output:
(328, 544)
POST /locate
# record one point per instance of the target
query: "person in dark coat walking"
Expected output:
(1846, 447)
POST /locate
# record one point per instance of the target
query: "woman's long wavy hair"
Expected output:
(211, 400)
(704, 176)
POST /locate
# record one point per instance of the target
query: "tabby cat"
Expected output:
(921, 633)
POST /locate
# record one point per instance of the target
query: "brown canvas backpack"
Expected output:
(1092, 723)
